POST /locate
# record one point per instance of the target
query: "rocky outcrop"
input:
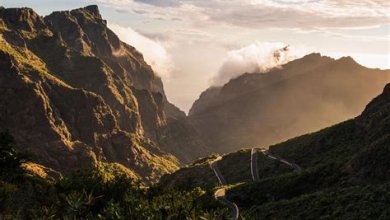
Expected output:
(73, 94)
(304, 95)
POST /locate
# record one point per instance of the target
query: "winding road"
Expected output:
(218, 173)
(254, 170)
(220, 193)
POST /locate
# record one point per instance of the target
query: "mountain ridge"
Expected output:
(96, 93)
(269, 104)
(297, 62)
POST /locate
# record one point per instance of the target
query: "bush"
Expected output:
(10, 159)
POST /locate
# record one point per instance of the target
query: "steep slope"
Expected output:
(159, 117)
(235, 168)
(345, 168)
(73, 94)
(350, 158)
(304, 95)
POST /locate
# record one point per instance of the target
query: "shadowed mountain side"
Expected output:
(72, 94)
(302, 96)
(342, 165)
(350, 157)
(235, 168)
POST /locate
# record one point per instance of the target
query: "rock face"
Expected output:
(302, 96)
(73, 94)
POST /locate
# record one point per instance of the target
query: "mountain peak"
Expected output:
(313, 55)
(21, 18)
(93, 9)
(317, 56)
(91, 12)
(347, 59)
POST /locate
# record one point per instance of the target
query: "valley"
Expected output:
(87, 131)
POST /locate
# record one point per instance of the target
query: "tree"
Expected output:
(10, 159)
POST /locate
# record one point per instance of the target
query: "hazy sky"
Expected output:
(193, 44)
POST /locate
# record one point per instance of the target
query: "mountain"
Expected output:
(72, 94)
(304, 95)
(345, 172)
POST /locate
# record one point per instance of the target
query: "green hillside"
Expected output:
(344, 168)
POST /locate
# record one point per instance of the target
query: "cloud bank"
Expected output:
(254, 58)
(154, 52)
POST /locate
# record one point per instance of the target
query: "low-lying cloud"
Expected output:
(255, 58)
(154, 52)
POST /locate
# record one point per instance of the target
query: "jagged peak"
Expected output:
(92, 10)
(23, 18)
(348, 58)
(309, 61)
(21, 10)
(316, 55)
(344, 59)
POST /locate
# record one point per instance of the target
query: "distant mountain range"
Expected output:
(304, 95)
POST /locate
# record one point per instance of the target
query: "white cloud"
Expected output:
(115, 2)
(199, 33)
(304, 14)
(154, 52)
(254, 58)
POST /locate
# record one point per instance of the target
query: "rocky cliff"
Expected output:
(73, 94)
(301, 96)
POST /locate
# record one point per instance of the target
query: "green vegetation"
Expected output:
(3, 27)
(107, 191)
(345, 167)
(284, 186)
(358, 202)
(10, 159)
(31, 62)
(83, 97)
(196, 174)
(345, 172)
(335, 144)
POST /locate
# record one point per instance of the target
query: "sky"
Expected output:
(195, 44)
